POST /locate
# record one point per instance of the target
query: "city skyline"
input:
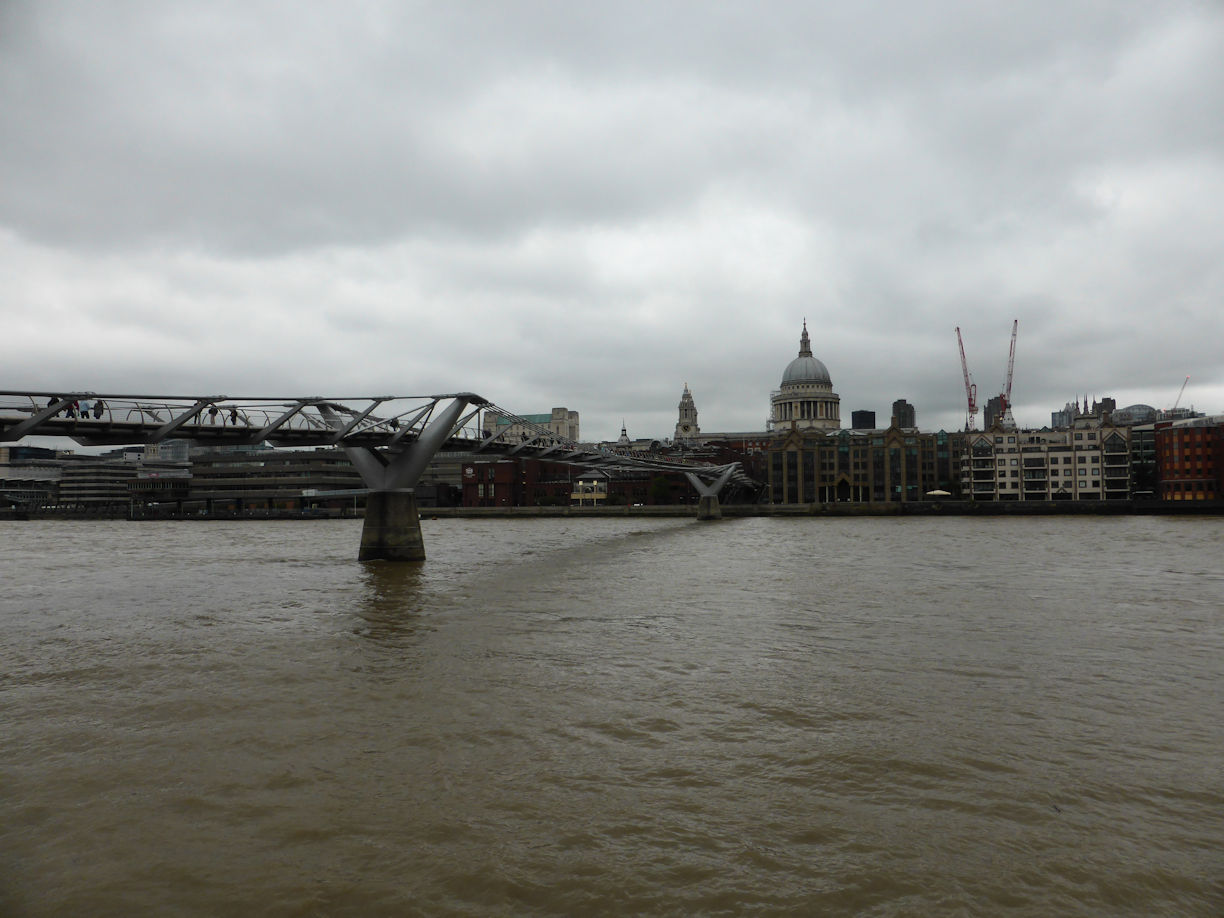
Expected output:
(558, 205)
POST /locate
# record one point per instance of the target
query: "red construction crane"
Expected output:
(970, 386)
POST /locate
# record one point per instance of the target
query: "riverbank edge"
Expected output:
(912, 508)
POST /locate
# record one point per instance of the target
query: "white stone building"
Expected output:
(560, 421)
(805, 400)
(687, 429)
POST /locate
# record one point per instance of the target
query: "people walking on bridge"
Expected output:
(213, 410)
(233, 416)
(98, 408)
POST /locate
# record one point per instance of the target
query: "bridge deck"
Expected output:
(93, 419)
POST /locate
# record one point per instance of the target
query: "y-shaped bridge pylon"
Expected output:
(392, 528)
(707, 492)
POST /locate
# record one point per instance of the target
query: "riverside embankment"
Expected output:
(910, 508)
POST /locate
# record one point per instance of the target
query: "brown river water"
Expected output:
(614, 717)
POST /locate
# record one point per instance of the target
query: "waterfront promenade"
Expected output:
(910, 508)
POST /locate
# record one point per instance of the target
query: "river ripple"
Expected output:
(630, 716)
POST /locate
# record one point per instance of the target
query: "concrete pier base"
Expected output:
(708, 508)
(392, 530)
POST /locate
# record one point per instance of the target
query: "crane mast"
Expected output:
(1005, 399)
(1180, 393)
(970, 386)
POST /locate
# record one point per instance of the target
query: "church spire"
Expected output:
(686, 425)
(805, 343)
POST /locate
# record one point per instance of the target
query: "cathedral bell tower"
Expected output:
(686, 426)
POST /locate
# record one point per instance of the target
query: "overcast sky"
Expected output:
(590, 205)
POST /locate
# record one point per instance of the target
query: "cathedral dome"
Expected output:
(805, 368)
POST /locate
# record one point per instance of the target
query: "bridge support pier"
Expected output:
(392, 529)
(707, 499)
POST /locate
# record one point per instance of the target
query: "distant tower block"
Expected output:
(686, 427)
(904, 414)
(993, 412)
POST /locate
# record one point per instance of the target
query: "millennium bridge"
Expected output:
(389, 439)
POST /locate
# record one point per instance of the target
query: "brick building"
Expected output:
(868, 466)
(517, 483)
(539, 483)
(1190, 459)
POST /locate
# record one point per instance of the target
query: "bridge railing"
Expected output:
(392, 416)
(380, 421)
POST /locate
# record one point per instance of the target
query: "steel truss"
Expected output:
(389, 438)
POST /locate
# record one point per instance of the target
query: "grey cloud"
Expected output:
(267, 128)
